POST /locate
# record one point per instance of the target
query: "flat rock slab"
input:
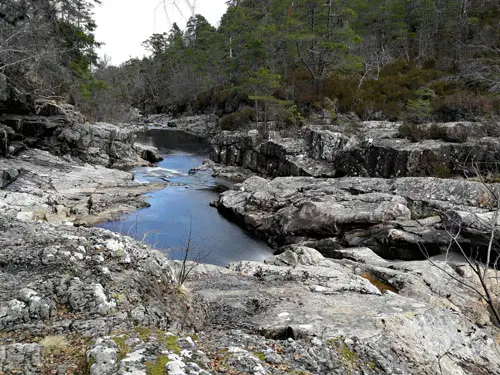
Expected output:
(322, 300)
(63, 189)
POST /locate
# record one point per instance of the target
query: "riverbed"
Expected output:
(179, 215)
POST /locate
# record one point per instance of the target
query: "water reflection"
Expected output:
(182, 208)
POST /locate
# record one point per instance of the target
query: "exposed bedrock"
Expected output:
(373, 150)
(402, 218)
(37, 185)
(62, 130)
(400, 326)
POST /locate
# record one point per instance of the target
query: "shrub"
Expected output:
(441, 171)
(237, 120)
(466, 105)
(418, 110)
(54, 344)
(398, 89)
(414, 132)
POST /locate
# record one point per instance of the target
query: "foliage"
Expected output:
(157, 367)
(237, 120)
(374, 58)
(47, 47)
(54, 344)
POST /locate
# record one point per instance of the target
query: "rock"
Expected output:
(41, 281)
(394, 217)
(65, 133)
(49, 108)
(147, 152)
(20, 359)
(8, 176)
(325, 303)
(6, 135)
(61, 190)
(203, 126)
(103, 358)
(372, 150)
(297, 255)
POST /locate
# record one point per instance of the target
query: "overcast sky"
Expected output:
(124, 24)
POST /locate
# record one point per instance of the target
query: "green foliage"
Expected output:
(441, 171)
(157, 367)
(260, 355)
(418, 110)
(262, 84)
(123, 348)
(381, 59)
(172, 344)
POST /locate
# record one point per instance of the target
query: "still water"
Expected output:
(177, 211)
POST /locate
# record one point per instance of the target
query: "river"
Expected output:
(180, 213)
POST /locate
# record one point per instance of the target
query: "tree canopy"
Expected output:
(47, 47)
(373, 58)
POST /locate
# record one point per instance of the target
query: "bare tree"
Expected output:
(189, 261)
(482, 261)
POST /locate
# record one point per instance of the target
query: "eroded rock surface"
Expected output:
(40, 186)
(371, 149)
(203, 126)
(397, 218)
(86, 297)
(416, 321)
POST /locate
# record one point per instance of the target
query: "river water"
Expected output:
(177, 211)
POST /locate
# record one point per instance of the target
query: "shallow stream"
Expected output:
(183, 208)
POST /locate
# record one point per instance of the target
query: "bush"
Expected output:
(418, 110)
(413, 132)
(400, 85)
(466, 105)
(237, 120)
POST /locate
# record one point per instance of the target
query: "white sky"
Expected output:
(124, 24)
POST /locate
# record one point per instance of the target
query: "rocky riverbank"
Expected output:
(79, 300)
(368, 149)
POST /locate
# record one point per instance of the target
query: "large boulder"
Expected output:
(7, 176)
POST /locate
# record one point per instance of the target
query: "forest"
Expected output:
(280, 60)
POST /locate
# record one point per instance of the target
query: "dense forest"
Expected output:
(413, 60)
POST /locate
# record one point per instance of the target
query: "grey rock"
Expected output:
(61, 190)
(38, 281)
(147, 152)
(394, 217)
(62, 130)
(328, 305)
(372, 150)
(21, 359)
(8, 176)
(202, 125)
(104, 356)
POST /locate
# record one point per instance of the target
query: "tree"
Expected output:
(261, 86)
(324, 38)
(46, 46)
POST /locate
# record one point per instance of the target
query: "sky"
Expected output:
(122, 25)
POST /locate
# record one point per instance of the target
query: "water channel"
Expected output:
(183, 208)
